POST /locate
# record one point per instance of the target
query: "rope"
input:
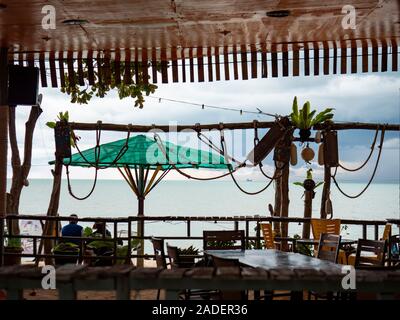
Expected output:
(223, 146)
(97, 150)
(211, 145)
(157, 139)
(373, 173)
(368, 158)
(70, 187)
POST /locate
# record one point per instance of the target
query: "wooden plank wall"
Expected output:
(214, 63)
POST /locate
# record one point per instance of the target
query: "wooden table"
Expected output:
(278, 261)
(275, 259)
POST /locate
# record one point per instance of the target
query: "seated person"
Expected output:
(101, 230)
(73, 229)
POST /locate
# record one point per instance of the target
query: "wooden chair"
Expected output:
(387, 232)
(227, 294)
(385, 237)
(173, 256)
(329, 226)
(224, 240)
(376, 248)
(268, 234)
(161, 260)
(159, 252)
(328, 249)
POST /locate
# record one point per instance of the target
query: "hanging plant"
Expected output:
(304, 119)
(309, 184)
(64, 116)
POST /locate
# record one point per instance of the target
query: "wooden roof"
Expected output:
(162, 30)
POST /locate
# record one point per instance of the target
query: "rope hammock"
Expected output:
(380, 147)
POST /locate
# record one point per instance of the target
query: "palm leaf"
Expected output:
(318, 184)
(310, 118)
(305, 113)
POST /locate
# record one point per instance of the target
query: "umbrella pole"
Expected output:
(140, 223)
(140, 229)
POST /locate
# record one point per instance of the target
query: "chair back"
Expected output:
(224, 263)
(387, 232)
(330, 226)
(376, 249)
(268, 235)
(158, 246)
(224, 240)
(173, 256)
(328, 248)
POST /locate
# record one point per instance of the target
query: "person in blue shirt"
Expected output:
(73, 229)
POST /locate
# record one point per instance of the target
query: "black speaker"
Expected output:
(23, 85)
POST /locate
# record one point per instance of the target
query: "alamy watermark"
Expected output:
(49, 19)
(349, 280)
(49, 280)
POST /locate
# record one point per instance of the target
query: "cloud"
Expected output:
(361, 97)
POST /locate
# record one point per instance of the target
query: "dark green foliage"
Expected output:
(83, 95)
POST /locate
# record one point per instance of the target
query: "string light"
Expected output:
(241, 111)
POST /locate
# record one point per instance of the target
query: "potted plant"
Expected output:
(68, 249)
(309, 184)
(122, 251)
(13, 246)
(187, 255)
(304, 119)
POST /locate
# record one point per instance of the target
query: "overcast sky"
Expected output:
(360, 97)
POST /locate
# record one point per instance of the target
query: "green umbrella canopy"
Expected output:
(144, 151)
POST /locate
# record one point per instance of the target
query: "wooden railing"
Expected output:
(251, 227)
(127, 281)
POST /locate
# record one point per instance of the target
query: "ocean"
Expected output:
(113, 198)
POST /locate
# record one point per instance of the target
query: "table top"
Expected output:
(343, 242)
(275, 259)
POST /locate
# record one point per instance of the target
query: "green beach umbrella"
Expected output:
(136, 156)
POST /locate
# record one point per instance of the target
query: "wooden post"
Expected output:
(325, 191)
(140, 229)
(308, 195)
(52, 211)
(3, 145)
(278, 192)
(285, 204)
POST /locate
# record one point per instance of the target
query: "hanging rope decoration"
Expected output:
(160, 145)
(223, 152)
(380, 147)
(207, 141)
(96, 162)
(368, 158)
(223, 146)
